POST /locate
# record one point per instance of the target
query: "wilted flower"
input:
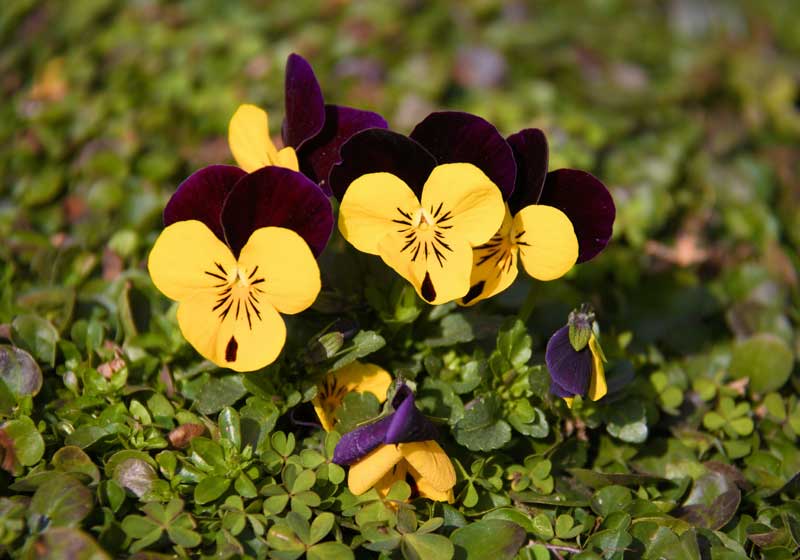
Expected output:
(312, 131)
(354, 377)
(393, 447)
(238, 249)
(575, 360)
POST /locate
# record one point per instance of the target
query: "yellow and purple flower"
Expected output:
(355, 377)
(312, 131)
(400, 444)
(238, 250)
(423, 202)
(575, 360)
(553, 220)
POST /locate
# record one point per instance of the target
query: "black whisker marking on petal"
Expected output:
(404, 222)
(426, 250)
(256, 311)
(486, 257)
(404, 214)
(410, 235)
(446, 216)
(253, 273)
(254, 298)
(217, 276)
(220, 303)
(416, 252)
(256, 281)
(523, 243)
(520, 234)
(238, 305)
(490, 245)
(227, 309)
(443, 227)
(407, 245)
(249, 321)
(442, 243)
(439, 255)
(439, 209)
(221, 269)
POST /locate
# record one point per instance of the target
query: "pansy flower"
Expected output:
(553, 220)
(399, 444)
(423, 202)
(238, 250)
(575, 360)
(312, 131)
(336, 385)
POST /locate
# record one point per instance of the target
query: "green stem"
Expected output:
(530, 301)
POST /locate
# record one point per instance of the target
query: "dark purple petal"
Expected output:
(531, 154)
(276, 196)
(305, 106)
(378, 149)
(587, 203)
(570, 371)
(455, 137)
(202, 195)
(361, 441)
(408, 423)
(321, 153)
(559, 391)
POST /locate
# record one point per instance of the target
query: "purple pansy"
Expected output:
(443, 137)
(233, 204)
(316, 130)
(570, 371)
(406, 424)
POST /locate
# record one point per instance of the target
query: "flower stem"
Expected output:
(530, 301)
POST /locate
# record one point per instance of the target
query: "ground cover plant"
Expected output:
(426, 370)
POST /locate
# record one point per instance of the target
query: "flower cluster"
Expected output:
(453, 208)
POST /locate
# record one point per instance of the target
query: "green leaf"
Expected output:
(542, 527)
(36, 335)
(219, 393)
(480, 429)
(72, 459)
(65, 542)
(765, 359)
(330, 551)
(20, 372)
(230, 426)
(611, 543)
(135, 475)
(355, 409)
(321, 526)
(364, 344)
(610, 499)
(210, 488)
(282, 538)
(426, 546)
(489, 538)
(627, 420)
(62, 501)
(514, 344)
(28, 442)
(139, 527)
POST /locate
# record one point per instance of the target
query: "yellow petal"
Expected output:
(373, 206)
(395, 474)
(437, 267)
(426, 490)
(568, 400)
(462, 196)
(597, 384)
(291, 280)
(239, 335)
(364, 378)
(371, 469)
(356, 376)
(427, 460)
(494, 265)
(187, 257)
(287, 157)
(547, 243)
(249, 140)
